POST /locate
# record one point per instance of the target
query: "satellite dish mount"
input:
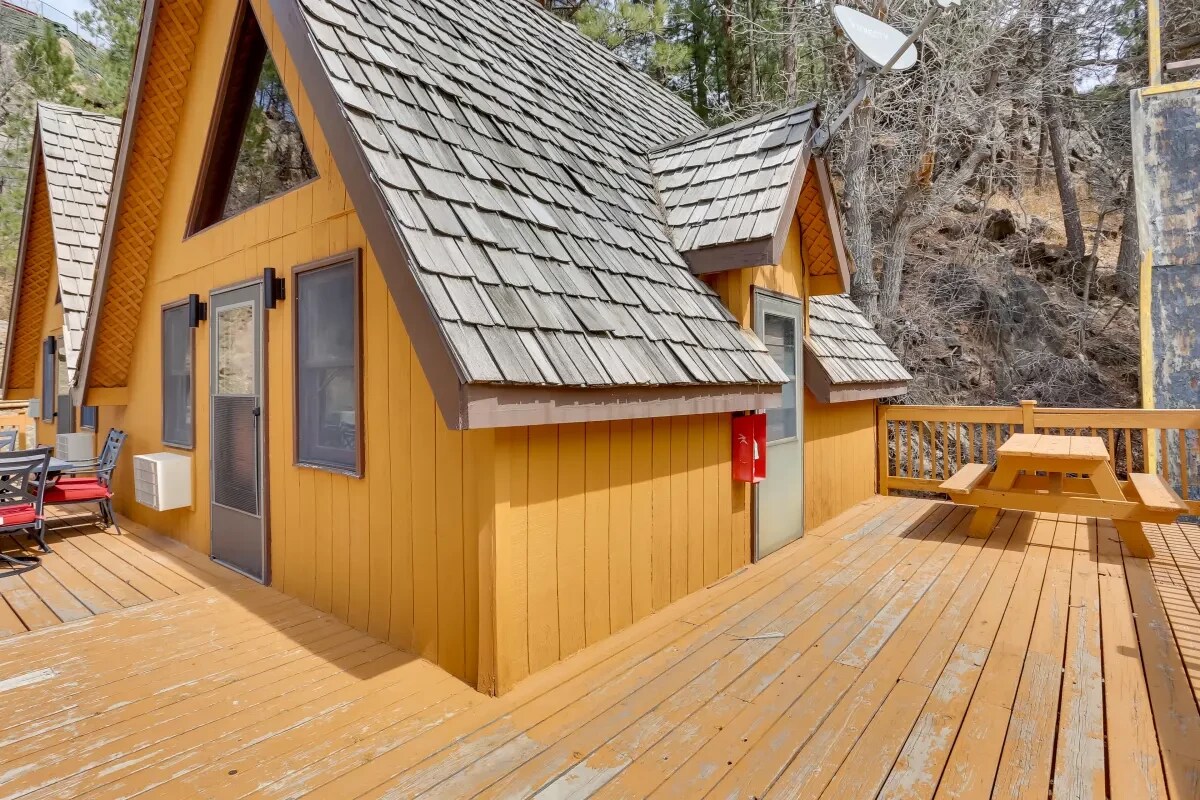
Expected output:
(880, 49)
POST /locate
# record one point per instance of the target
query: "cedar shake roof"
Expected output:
(511, 153)
(77, 149)
(844, 356)
(730, 193)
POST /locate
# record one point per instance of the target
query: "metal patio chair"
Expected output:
(9, 439)
(73, 489)
(114, 439)
(22, 497)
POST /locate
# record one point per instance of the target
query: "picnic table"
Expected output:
(1064, 475)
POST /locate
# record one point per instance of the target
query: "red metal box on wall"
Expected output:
(750, 448)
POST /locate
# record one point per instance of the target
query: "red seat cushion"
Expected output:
(75, 482)
(77, 490)
(23, 514)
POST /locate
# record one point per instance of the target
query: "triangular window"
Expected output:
(256, 150)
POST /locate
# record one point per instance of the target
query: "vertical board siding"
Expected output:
(839, 457)
(603, 524)
(361, 548)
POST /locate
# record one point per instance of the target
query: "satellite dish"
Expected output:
(875, 39)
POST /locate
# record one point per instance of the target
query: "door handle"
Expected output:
(257, 412)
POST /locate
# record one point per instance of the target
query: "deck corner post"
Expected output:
(881, 441)
(1028, 407)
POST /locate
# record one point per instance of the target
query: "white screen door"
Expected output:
(779, 500)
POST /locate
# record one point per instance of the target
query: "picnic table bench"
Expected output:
(1064, 475)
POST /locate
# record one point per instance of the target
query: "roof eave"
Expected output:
(758, 252)
(497, 406)
(826, 390)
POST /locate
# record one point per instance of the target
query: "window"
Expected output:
(779, 335)
(89, 417)
(255, 150)
(49, 378)
(177, 369)
(328, 376)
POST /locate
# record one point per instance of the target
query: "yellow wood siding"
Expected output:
(599, 525)
(839, 457)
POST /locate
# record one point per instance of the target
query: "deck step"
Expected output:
(1155, 493)
(966, 479)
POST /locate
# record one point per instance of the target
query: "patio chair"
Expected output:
(9, 437)
(22, 497)
(73, 489)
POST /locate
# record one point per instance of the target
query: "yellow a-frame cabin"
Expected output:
(70, 178)
(466, 373)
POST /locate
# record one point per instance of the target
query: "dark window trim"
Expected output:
(348, 257)
(49, 379)
(83, 425)
(162, 378)
(244, 57)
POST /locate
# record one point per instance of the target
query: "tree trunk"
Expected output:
(1051, 83)
(864, 290)
(1072, 222)
(1129, 261)
(788, 58)
(733, 83)
(1043, 147)
(894, 256)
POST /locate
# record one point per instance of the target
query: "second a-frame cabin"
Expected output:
(455, 320)
(70, 178)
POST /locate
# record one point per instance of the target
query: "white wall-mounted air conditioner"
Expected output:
(163, 481)
(35, 408)
(75, 446)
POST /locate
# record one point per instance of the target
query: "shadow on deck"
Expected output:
(886, 654)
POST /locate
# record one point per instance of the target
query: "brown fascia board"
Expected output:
(759, 252)
(491, 406)
(35, 157)
(817, 379)
(124, 149)
(834, 218)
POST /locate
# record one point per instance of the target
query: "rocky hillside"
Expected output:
(994, 309)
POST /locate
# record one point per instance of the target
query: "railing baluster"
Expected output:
(971, 434)
(946, 473)
(920, 448)
(1164, 469)
(1183, 467)
(1129, 453)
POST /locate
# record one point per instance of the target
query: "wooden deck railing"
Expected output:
(921, 446)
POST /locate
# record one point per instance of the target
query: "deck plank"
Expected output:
(1134, 764)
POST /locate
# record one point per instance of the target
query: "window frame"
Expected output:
(49, 388)
(162, 358)
(353, 258)
(245, 55)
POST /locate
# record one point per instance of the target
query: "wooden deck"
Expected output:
(91, 571)
(885, 655)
